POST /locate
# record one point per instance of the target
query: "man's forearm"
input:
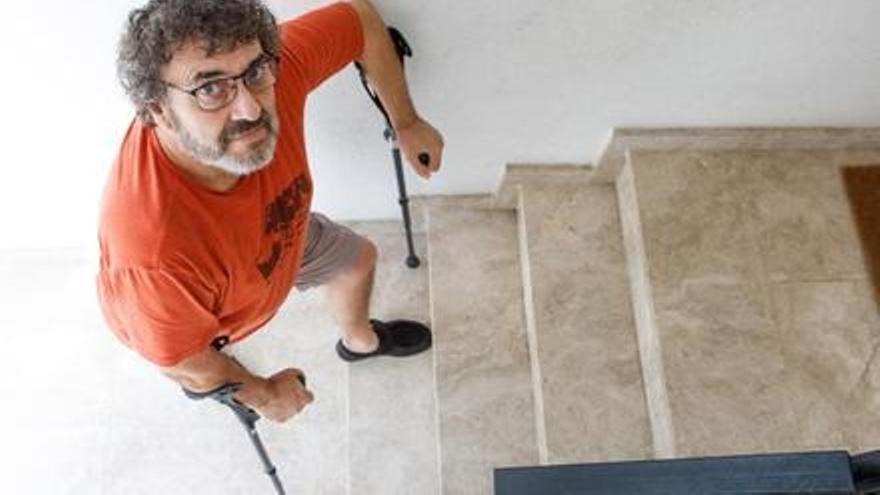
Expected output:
(211, 369)
(382, 66)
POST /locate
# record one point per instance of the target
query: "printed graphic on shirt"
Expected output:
(278, 223)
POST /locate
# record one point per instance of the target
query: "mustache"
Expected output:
(242, 126)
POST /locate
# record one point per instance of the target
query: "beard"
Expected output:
(258, 156)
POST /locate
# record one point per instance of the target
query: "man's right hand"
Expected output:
(278, 398)
(287, 396)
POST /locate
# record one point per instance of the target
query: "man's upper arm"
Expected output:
(319, 43)
(165, 316)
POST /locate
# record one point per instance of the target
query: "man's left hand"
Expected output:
(418, 138)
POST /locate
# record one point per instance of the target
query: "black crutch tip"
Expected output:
(413, 262)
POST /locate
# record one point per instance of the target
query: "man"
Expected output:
(205, 224)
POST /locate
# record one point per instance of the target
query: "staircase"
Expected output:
(697, 292)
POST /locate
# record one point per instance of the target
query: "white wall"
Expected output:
(63, 117)
(506, 81)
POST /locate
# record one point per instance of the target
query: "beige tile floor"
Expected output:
(384, 461)
(82, 414)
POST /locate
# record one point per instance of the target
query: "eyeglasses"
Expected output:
(218, 93)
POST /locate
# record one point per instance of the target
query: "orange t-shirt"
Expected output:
(182, 265)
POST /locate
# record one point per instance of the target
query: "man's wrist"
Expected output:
(256, 393)
(404, 123)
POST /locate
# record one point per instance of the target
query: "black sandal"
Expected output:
(398, 338)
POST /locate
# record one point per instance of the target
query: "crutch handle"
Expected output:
(224, 394)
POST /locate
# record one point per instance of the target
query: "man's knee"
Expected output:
(360, 268)
(366, 259)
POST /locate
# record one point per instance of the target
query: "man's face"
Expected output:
(240, 137)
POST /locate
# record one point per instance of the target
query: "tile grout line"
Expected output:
(426, 218)
(348, 450)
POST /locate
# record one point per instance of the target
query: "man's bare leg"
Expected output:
(349, 295)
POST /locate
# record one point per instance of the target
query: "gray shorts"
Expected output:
(330, 249)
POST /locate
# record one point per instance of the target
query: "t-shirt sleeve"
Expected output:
(164, 316)
(319, 43)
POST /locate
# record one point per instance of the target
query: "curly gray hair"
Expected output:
(155, 31)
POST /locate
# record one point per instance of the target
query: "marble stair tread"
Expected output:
(392, 415)
(585, 354)
(484, 397)
(764, 312)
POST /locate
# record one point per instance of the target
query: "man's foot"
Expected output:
(397, 338)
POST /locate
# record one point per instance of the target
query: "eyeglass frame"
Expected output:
(263, 59)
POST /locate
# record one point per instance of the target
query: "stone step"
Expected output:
(484, 397)
(757, 314)
(584, 351)
(392, 414)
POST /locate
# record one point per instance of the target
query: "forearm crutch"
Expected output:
(403, 50)
(248, 418)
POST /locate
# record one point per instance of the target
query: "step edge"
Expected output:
(531, 325)
(622, 139)
(648, 338)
